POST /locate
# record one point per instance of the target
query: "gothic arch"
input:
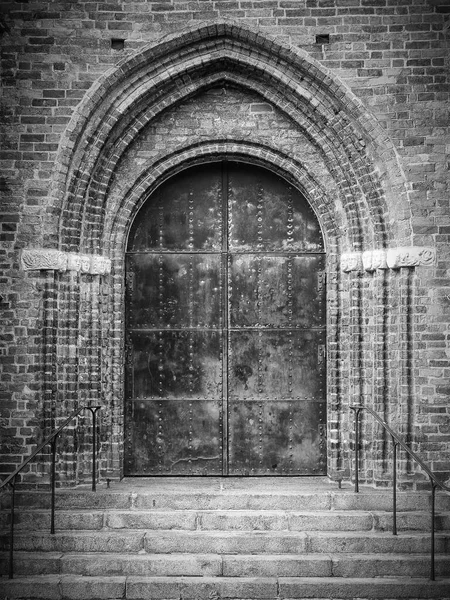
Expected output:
(355, 148)
(368, 191)
(117, 220)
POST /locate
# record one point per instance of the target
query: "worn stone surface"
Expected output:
(63, 520)
(362, 588)
(226, 542)
(249, 554)
(80, 541)
(332, 521)
(355, 542)
(45, 587)
(244, 520)
(152, 520)
(143, 564)
(137, 588)
(86, 588)
(205, 587)
(234, 500)
(399, 565)
(293, 565)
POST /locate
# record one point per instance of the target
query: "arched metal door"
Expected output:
(225, 325)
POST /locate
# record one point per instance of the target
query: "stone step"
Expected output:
(225, 520)
(174, 499)
(244, 565)
(226, 542)
(72, 587)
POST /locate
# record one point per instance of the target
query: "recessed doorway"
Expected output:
(225, 328)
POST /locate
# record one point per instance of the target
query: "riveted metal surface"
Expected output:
(185, 290)
(183, 214)
(280, 437)
(272, 364)
(176, 437)
(268, 214)
(276, 291)
(225, 356)
(177, 364)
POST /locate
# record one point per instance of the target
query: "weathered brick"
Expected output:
(357, 157)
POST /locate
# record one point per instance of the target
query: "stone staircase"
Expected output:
(226, 538)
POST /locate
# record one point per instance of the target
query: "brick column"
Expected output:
(381, 359)
(72, 346)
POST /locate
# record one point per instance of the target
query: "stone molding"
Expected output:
(410, 257)
(394, 258)
(374, 259)
(351, 261)
(36, 259)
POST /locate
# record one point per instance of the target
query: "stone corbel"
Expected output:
(37, 259)
(411, 257)
(351, 261)
(395, 258)
(374, 259)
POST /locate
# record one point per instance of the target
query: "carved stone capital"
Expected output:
(351, 261)
(411, 256)
(35, 259)
(374, 259)
(73, 261)
(43, 259)
(100, 265)
(370, 260)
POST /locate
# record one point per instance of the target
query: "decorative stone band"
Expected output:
(44, 259)
(409, 256)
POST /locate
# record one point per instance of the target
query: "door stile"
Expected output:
(225, 316)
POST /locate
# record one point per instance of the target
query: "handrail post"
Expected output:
(93, 410)
(356, 411)
(433, 510)
(53, 484)
(52, 439)
(394, 490)
(435, 483)
(11, 529)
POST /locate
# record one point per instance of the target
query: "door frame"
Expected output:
(276, 172)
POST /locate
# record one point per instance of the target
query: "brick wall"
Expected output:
(102, 101)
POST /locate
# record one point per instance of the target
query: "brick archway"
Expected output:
(96, 197)
(356, 150)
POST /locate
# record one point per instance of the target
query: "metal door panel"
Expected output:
(276, 291)
(184, 214)
(176, 364)
(276, 364)
(175, 437)
(174, 290)
(276, 438)
(267, 213)
(225, 328)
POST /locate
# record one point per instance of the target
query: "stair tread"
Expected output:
(387, 556)
(184, 578)
(217, 532)
(367, 555)
(233, 511)
(256, 543)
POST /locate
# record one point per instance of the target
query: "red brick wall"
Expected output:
(92, 124)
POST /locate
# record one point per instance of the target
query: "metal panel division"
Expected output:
(225, 328)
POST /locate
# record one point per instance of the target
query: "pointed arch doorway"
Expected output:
(225, 328)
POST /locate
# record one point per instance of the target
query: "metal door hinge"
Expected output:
(321, 353)
(321, 279)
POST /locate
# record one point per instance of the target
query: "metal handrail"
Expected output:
(51, 439)
(397, 441)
